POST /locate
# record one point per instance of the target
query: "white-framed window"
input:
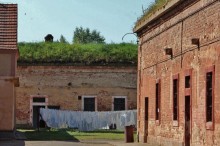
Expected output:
(119, 103)
(89, 103)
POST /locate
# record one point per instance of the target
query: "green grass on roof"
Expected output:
(85, 54)
(153, 7)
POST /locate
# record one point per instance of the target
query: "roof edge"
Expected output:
(143, 23)
(14, 4)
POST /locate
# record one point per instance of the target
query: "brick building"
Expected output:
(179, 73)
(8, 56)
(87, 88)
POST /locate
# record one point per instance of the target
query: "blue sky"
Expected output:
(112, 18)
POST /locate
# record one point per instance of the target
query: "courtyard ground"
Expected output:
(68, 137)
(68, 143)
(71, 135)
(49, 143)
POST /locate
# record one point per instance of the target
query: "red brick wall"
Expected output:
(154, 64)
(52, 81)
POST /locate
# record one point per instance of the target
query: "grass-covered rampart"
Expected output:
(70, 54)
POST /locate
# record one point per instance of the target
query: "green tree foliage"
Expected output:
(87, 54)
(85, 36)
(63, 39)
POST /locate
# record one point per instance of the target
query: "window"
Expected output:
(158, 95)
(188, 86)
(175, 97)
(210, 98)
(119, 103)
(187, 108)
(89, 103)
(39, 99)
(146, 108)
(57, 107)
(187, 81)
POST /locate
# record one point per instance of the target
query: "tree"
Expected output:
(63, 39)
(48, 38)
(85, 36)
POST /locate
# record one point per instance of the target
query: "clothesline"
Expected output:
(88, 121)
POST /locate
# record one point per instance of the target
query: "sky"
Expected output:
(112, 18)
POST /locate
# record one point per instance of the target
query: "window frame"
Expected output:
(210, 125)
(89, 96)
(124, 97)
(188, 92)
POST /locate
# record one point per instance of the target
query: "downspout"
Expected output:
(139, 86)
(138, 96)
(181, 45)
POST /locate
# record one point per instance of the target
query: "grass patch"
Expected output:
(69, 134)
(152, 8)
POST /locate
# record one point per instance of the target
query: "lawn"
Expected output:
(69, 134)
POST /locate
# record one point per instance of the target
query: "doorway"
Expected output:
(146, 106)
(37, 121)
(37, 102)
(187, 120)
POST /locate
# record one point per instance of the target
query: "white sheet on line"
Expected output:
(88, 121)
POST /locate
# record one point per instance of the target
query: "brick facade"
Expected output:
(67, 86)
(199, 20)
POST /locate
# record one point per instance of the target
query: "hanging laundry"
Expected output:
(88, 121)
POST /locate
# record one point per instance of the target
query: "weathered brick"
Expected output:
(153, 64)
(63, 85)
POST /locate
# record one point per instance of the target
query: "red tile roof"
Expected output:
(8, 26)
